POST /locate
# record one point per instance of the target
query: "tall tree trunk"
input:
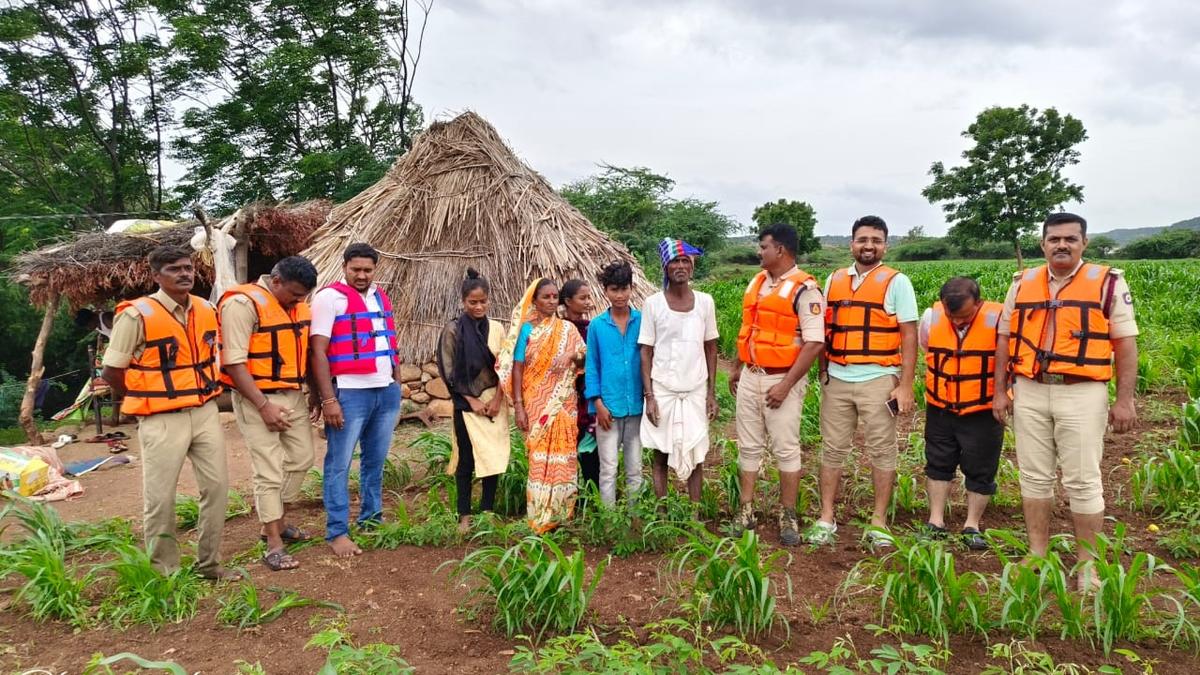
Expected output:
(1020, 258)
(35, 375)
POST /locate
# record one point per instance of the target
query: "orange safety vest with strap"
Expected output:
(959, 369)
(177, 368)
(1080, 345)
(767, 337)
(277, 357)
(857, 327)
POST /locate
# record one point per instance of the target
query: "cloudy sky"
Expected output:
(841, 104)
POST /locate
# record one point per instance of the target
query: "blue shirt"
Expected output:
(613, 371)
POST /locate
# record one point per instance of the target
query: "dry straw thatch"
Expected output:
(97, 268)
(460, 197)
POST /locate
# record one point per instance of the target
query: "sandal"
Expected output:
(117, 447)
(279, 559)
(224, 574)
(290, 535)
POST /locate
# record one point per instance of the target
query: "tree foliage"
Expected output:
(634, 206)
(1013, 175)
(1171, 244)
(82, 116)
(293, 100)
(1100, 246)
(799, 215)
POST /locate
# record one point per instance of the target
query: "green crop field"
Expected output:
(659, 587)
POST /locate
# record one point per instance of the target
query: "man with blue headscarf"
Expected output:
(679, 366)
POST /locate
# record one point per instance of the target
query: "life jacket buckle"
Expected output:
(1054, 304)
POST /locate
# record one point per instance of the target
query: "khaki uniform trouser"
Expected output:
(166, 440)
(1061, 426)
(280, 459)
(760, 426)
(843, 406)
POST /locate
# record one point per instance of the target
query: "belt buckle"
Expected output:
(756, 369)
(1053, 378)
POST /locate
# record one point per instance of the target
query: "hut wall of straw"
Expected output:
(460, 197)
(97, 268)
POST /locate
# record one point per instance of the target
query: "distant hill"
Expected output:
(1125, 235)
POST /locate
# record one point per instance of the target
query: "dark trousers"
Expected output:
(589, 467)
(466, 469)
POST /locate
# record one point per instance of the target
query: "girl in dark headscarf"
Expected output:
(467, 363)
(576, 300)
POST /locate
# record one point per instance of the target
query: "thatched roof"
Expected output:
(460, 197)
(98, 267)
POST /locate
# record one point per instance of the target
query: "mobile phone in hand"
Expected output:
(893, 406)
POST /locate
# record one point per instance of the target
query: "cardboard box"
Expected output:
(21, 474)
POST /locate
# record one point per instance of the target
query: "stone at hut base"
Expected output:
(409, 372)
(441, 407)
(431, 369)
(420, 397)
(437, 388)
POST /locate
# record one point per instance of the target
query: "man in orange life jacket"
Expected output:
(353, 343)
(264, 357)
(162, 361)
(958, 335)
(782, 333)
(1063, 324)
(871, 355)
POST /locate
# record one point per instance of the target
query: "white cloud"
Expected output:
(844, 105)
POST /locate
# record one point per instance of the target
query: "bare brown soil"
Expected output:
(406, 598)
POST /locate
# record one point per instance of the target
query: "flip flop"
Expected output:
(279, 560)
(65, 439)
(290, 535)
(117, 447)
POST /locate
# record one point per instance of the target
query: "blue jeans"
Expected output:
(370, 418)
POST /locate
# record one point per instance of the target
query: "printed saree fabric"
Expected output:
(550, 401)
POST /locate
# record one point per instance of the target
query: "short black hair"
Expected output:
(569, 289)
(360, 250)
(1064, 218)
(473, 281)
(869, 221)
(956, 291)
(782, 234)
(296, 268)
(617, 273)
(162, 256)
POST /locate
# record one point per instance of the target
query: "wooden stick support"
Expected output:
(35, 374)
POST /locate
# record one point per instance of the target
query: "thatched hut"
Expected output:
(97, 268)
(100, 268)
(460, 197)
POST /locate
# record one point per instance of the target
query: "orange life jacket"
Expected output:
(1081, 345)
(959, 370)
(177, 368)
(277, 357)
(857, 327)
(768, 334)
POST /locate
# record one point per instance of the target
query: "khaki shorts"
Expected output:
(759, 426)
(843, 406)
(1061, 426)
(280, 459)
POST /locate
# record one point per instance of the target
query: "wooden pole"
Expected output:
(35, 374)
(241, 250)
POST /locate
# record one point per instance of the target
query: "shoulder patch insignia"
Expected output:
(1127, 298)
(814, 308)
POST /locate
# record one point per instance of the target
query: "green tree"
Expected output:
(293, 100)
(799, 215)
(1100, 246)
(82, 116)
(1012, 176)
(633, 206)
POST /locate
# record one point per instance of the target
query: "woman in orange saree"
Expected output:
(537, 367)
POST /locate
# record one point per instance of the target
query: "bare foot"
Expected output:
(464, 525)
(344, 547)
(223, 574)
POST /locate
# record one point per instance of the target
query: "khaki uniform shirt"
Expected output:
(239, 320)
(809, 306)
(129, 334)
(1121, 322)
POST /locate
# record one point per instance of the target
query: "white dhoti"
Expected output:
(682, 429)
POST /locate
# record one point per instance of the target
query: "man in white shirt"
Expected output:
(357, 371)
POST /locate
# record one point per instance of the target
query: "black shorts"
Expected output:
(970, 442)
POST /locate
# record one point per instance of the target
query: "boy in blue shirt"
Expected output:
(613, 382)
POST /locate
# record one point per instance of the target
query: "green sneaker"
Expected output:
(745, 520)
(789, 528)
(821, 533)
